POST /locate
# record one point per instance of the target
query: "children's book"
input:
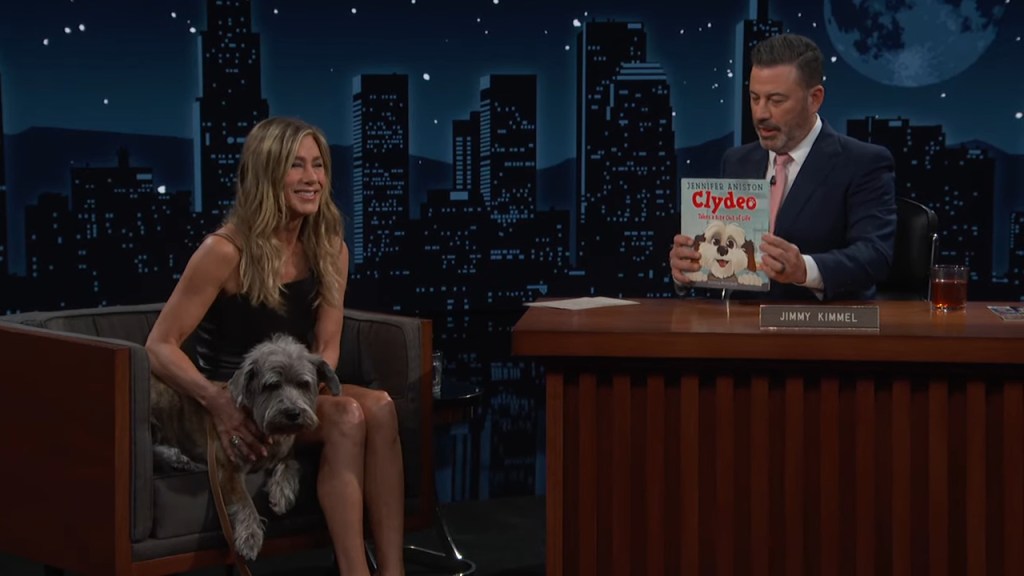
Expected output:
(726, 218)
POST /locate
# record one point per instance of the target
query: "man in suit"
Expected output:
(835, 224)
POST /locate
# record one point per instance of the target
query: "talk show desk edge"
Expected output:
(684, 439)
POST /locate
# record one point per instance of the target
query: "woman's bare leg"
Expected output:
(385, 479)
(340, 480)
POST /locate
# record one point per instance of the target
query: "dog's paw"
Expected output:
(248, 543)
(750, 279)
(170, 458)
(248, 533)
(283, 486)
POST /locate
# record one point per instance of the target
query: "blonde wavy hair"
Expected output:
(260, 209)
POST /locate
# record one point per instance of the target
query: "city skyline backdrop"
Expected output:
(107, 207)
(140, 40)
(135, 68)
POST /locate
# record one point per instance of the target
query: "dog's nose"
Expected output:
(291, 414)
(723, 250)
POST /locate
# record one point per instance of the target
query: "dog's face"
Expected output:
(724, 250)
(278, 382)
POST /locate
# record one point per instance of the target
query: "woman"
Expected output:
(280, 264)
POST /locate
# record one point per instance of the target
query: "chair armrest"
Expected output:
(392, 353)
(382, 351)
(73, 403)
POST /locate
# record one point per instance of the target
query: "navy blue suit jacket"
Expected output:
(840, 211)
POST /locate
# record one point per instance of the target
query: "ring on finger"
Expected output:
(236, 440)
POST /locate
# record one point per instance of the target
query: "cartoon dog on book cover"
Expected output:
(725, 255)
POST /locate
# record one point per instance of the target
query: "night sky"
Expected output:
(135, 66)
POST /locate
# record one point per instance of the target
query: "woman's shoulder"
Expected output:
(220, 250)
(226, 235)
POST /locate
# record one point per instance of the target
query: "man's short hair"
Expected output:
(791, 49)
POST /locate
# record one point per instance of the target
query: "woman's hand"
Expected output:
(238, 434)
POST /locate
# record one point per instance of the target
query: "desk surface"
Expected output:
(693, 328)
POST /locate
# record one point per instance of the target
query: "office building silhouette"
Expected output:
(380, 173)
(50, 251)
(231, 102)
(601, 49)
(1015, 267)
(627, 194)
(508, 146)
(957, 183)
(749, 33)
(466, 154)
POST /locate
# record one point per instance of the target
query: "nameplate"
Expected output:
(830, 317)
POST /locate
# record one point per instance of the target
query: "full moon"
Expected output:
(912, 42)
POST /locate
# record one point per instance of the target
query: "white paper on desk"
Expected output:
(582, 303)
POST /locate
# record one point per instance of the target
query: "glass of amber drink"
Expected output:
(949, 287)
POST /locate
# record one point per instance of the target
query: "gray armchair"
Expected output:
(81, 493)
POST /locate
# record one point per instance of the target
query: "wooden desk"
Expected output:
(683, 439)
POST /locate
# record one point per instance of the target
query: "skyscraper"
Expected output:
(961, 192)
(111, 208)
(748, 34)
(49, 255)
(601, 48)
(916, 150)
(508, 146)
(957, 183)
(640, 195)
(1015, 267)
(626, 203)
(466, 154)
(231, 102)
(380, 172)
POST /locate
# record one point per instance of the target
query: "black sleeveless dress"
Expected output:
(232, 326)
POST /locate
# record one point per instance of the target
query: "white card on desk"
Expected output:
(582, 303)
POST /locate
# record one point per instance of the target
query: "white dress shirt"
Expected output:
(799, 154)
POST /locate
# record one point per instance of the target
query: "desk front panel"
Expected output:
(749, 468)
(674, 449)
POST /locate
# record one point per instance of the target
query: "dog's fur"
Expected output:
(277, 385)
(725, 254)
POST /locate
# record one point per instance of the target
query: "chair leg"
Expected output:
(449, 558)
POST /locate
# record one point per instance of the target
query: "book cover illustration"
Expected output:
(726, 217)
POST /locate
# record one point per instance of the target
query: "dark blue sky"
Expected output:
(144, 62)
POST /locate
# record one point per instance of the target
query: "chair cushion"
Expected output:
(183, 503)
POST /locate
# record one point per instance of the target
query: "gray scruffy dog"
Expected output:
(277, 384)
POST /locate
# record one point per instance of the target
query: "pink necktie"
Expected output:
(778, 187)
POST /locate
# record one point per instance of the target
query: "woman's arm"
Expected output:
(205, 275)
(329, 319)
(213, 266)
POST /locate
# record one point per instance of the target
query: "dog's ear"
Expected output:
(697, 240)
(327, 375)
(241, 379)
(748, 247)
